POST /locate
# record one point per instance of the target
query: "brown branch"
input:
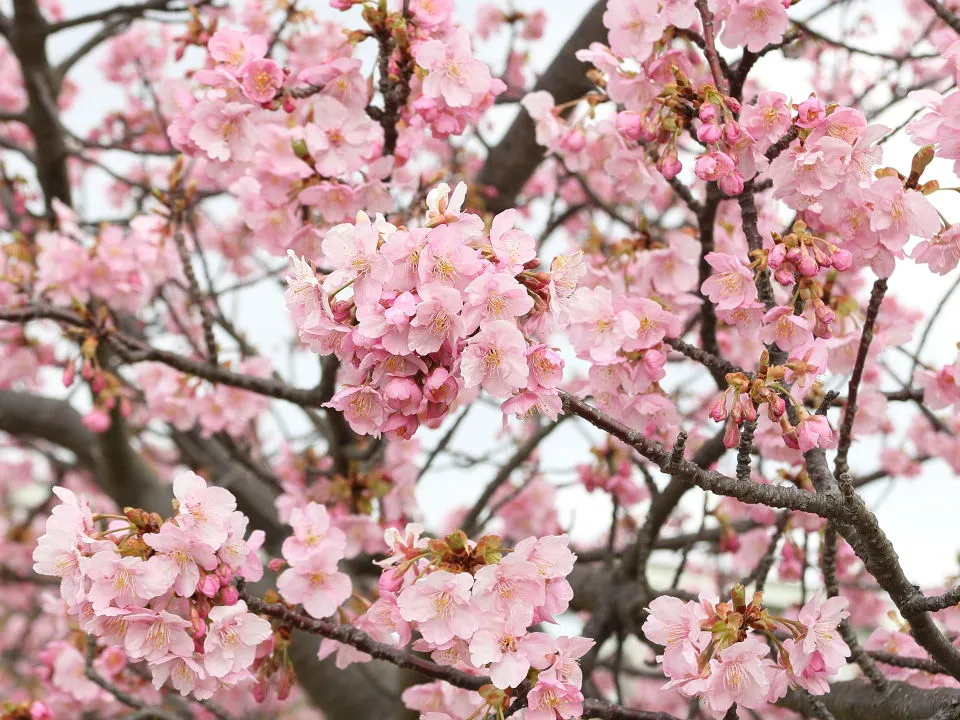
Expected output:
(948, 17)
(515, 158)
(471, 522)
(853, 389)
(710, 46)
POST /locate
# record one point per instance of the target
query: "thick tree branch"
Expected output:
(515, 158)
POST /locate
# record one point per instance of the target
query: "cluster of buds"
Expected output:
(613, 472)
(744, 395)
(801, 254)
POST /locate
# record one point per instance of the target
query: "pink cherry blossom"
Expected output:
(186, 552)
(732, 285)
(494, 359)
(316, 583)
(440, 604)
(204, 511)
(232, 639)
(509, 650)
(453, 73)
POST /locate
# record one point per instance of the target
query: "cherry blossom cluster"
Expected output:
(614, 472)
(473, 605)
(360, 504)
(122, 268)
(433, 312)
(720, 651)
(162, 590)
(185, 401)
(308, 124)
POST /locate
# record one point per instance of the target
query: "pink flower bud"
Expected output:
(777, 256)
(810, 112)
(209, 585)
(390, 581)
(732, 132)
(731, 434)
(732, 184)
(708, 113)
(277, 564)
(39, 711)
(841, 259)
(97, 420)
(709, 133)
(718, 411)
(229, 595)
(629, 124)
(98, 383)
(69, 374)
(669, 166)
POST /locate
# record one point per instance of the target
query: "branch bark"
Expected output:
(515, 158)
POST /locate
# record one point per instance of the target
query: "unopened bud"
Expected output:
(921, 159)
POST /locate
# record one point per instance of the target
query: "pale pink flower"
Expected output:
(514, 248)
(352, 250)
(57, 554)
(241, 555)
(813, 431)
(232, 639)
(787, 330)
(446, 259)
(673, 621)
(438, 319)
(821, 616)
(70, 674)
(233, 48)
(806, 363)
(509, 650)
(739, 674)
(126, 580)
(899, 213)
(550, 700)
(261, 80)
(768, 118)
(185, 673)
(153, 635)
(362, 408)
(442, 207)
(494, 359)
(655, 324)
(312, 534)
(316, 583)
(224, 131)
(754, 24)
(731, 286)
(340, 141)
(565, 666)
(494, 296)
(514, 584)
(185, 552)
(453, 73)
(941, 253)
(598, 330)
(634, 25)
(440, 604)
(546, 366)
(204, 511)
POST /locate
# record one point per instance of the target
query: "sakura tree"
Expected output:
(320, 320)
